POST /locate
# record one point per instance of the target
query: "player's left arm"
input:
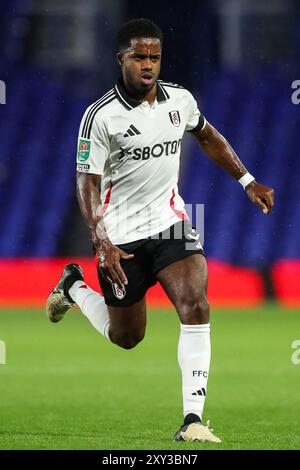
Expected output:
(216, 147)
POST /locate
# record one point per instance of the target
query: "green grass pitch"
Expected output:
(66, 387)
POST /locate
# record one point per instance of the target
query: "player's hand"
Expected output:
(109, 257)
(261, 195)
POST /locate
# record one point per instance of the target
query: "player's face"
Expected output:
(140, 64)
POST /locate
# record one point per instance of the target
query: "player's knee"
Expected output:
(194, 311)
(129, 340)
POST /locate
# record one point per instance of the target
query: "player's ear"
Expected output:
(120, 58)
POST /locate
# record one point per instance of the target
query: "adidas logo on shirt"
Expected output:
(131, 131)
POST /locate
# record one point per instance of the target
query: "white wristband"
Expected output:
(246, 179)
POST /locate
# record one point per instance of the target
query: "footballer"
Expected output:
(127, 172)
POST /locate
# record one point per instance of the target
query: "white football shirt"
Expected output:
(136, 148)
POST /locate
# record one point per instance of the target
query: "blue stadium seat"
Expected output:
(261, 123)
(37, 168)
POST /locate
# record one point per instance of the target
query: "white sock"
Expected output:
(194, 359)
(92, 306)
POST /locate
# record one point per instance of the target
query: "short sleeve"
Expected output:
(196, 120)
(93, 144)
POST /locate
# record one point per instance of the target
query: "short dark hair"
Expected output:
(138, 28)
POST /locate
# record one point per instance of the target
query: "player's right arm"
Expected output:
(92, 152)
(109, 255)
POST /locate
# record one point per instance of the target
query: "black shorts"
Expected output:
(150, 256)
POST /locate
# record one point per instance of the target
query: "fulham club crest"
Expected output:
(175, 118)
(118, 292)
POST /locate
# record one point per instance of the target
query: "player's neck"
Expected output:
(149, 95)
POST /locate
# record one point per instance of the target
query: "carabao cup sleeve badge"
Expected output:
(84, 148)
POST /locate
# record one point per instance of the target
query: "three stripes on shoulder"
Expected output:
(87, 126)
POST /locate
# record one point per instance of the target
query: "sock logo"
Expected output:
(118, 292)
(199, 373)
(200, 392)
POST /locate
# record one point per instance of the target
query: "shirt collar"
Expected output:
(129, 102)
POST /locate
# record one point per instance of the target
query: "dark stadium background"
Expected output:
(63, 386)
(239, 58)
